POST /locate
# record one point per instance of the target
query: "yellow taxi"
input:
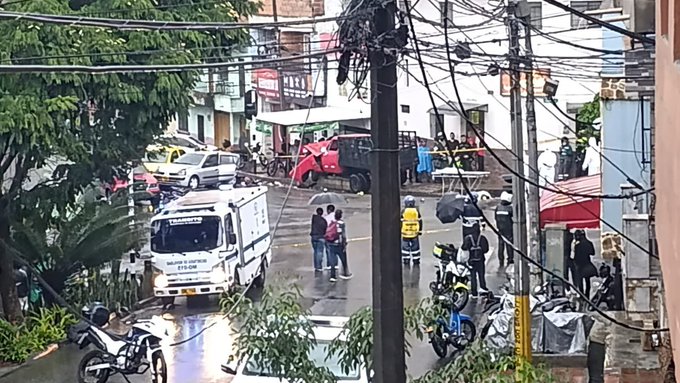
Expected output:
(157, 155)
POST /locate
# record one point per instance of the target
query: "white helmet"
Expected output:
(506, 197)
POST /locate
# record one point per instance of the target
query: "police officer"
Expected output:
(411, 229)
(471, 215)
(503, 217)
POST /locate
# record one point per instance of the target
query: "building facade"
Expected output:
(667, 157)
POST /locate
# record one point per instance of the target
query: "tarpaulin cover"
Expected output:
(554, 333)
(575, 212)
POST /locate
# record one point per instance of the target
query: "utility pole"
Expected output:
(533, 197)
(279, 74)
(388, 301)
(522, 277)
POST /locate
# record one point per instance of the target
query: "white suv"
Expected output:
(326, 330)
(197, 169)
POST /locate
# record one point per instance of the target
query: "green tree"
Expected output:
(588, 113)
(287, 357)
(89, 235)
(93, 125)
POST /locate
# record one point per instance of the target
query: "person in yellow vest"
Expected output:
(411, 229)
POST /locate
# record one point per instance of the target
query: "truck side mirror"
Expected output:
(232, 239)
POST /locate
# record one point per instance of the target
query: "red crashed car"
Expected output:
(145, 185)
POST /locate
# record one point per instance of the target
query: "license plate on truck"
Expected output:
(188, 291)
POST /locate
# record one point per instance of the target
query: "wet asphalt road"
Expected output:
(199, 360)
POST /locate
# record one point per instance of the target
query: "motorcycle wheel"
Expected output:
(93, 357)
(272, 168)
(160, 374)
(264, 161)
(461, 297)
(485, 329)
(468, 330)
(438, 343)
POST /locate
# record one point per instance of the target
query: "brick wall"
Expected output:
(293, 8)
(292, 42)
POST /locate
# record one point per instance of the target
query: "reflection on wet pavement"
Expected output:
(199, 360)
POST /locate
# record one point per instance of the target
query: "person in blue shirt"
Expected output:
(424, 162)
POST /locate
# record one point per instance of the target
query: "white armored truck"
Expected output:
(210, 241)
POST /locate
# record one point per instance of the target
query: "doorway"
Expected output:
(200, 122)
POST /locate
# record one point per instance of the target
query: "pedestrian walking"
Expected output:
(336, 237)
(581, 253)
(411, 230)
(503, 217)
(317, 233)
(329, 217)
(477, 246)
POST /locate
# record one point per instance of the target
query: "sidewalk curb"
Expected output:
(50, 349)
(285, 181)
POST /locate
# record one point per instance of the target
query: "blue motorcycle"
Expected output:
(457, 330)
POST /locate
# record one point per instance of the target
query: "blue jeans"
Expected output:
(319, 246)
(337, 252)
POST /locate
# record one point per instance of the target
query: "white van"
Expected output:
(210, 241)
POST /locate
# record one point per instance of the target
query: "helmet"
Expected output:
(409, 201)
(506, 197)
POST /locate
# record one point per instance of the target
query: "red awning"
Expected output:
(575, 212)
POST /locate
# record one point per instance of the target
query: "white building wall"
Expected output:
(208, 122)
(486, 89)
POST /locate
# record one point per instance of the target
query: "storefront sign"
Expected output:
(266, 82)
(296, 86)
(539, 80)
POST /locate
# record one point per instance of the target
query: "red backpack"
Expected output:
(332, 233)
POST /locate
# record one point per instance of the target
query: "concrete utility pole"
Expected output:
(279, 74)
(388, 301)
(522, 286)
(533, 197)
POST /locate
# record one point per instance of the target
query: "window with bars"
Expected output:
(536, 15)
(445, 13)
(583, 6)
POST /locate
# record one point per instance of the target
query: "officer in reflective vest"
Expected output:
(411, 229)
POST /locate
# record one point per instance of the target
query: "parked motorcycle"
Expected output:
(549, 298)
(259, 155)
(136, 353)
(168, 196)
(454, 329)
(451, 278)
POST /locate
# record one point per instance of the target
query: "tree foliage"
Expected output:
(89, 235)
(588, 113)
(280, 313)
(93, 125)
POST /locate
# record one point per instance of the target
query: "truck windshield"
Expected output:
(186, 234)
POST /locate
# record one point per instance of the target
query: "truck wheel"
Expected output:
(355, 183)
(260, 279)
(309, 179)
(366, 182)
(168, 302)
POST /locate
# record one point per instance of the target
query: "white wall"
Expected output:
(208, 122)
(486, 89)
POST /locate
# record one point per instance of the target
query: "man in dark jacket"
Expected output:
(317, 233)
(503, 217)
(471, 215)
(566, 160)
(477, 246)
(584, 270)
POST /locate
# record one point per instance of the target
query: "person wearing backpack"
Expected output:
(477, 246)
(336, 238)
